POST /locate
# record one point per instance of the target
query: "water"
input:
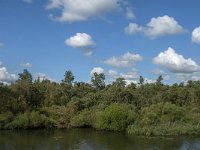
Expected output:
(88, 139)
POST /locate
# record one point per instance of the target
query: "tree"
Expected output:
(98, 80)
(68, 78)
(65, 93)
(120, 82)
(25, 76)
(159, 80)
(141, 80)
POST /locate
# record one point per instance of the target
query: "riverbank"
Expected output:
(141, 109)
(89, 139)
(162, 119)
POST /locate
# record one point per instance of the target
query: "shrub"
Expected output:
(164, 130)
(162, 113)
(84, 118)
(21, 121)
(116, 117)
(28, 120)
(172, 113)
(151, 115)
(5, 118)
(58, 116)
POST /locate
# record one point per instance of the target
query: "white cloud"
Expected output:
(161, 72)
(26, 65)
(112, 73)
(5, 76)
(157, 27)
(124, 61)
(146, 80)
(162, 26)
(166, 77)
(81, 41)
(195, 76)
(133, 28)
(196, 35)
(98, 70)
(129, 14)
(28, 1)
(158, 71)
(175, 63)
(81, 10)
(129, 75)
(43, 76)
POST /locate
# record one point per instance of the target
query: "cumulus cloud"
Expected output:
(81, 10)
(129, 14)
(129, 75)
(124, 61)
(175, 63)
(158, 71)
(112, 73)
(161, 72)
(133, 28)
(27, 1)
(81, 41)
(157, 27)
(196, 35)
(98, 70)
(5, 76)
(26, 65)
(162, 26)
(195, 76)
(146, 80)
(43, 76)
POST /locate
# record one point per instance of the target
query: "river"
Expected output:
(88, 139)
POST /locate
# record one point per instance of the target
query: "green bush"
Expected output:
(172, 113)
(58, 116)
(36, 120)
(5, 118)
(84, 118)
(164, 130)
(151, 115)
(162, 113)
(116, 117)
(29, 120)
(21, 121)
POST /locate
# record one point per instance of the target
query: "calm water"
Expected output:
(88, 139)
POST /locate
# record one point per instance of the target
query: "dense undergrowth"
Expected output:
(143, 109)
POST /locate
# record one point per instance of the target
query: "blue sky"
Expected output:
(121, 38)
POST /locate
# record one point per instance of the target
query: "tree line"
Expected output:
(141, 109)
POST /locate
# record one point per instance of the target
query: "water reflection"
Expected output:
(88, 139)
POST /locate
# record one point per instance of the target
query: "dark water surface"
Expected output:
(88, 139)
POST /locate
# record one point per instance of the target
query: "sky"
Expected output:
(120, 38)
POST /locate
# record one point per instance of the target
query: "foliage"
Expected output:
(164, 130)
(116, 117)
(28, 120)
(145, 108)
(5, 118)
(83, 119)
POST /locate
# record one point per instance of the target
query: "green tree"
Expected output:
(159, 80)
(25, 76)
(120, 82)
(141, 80)
(98, 80)
(68, 78)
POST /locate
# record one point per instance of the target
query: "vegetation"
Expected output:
(141, 109)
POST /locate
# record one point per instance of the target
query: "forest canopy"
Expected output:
(141, 109)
